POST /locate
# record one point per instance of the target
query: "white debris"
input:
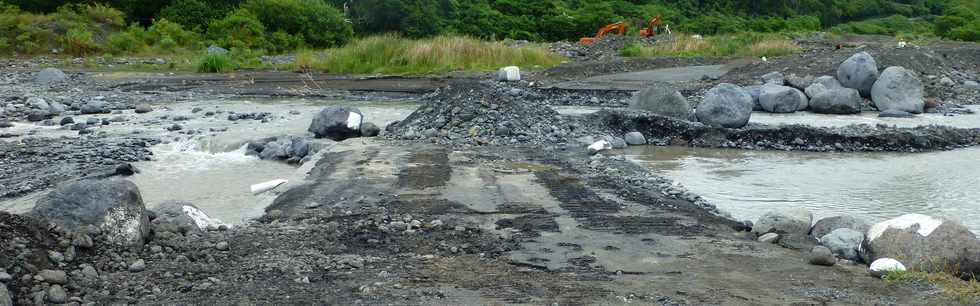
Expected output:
(901, 45)
(598, 146)
(266, 186)
(354, 121)
(201, 219)
(882, 266)
(697, 36)
(926, 225)
(509, 74)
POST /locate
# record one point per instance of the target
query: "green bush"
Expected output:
(214, 63)
(891, 25)
(320, 24)
(240, 29)
(192, 14)
(631, 50)
(133, 40)
(282, 42)
(968, 32)
(163, 28)
(79, 42)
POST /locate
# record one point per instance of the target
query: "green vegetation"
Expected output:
(963, 291)
(751, 45)
(394, 54)
(214, 63)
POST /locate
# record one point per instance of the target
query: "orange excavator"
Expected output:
(653, 27)
(620, 27)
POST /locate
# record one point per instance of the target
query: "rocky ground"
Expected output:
(484, 195)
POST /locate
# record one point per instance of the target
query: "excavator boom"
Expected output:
(652, 27)
(619, 27)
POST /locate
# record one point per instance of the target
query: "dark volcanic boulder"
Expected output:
(183, 217)
(662, 100)
(370, 130)
(50, 75)
(115, 206)
(836, 101)
(924, 243)
(859, 72)
(900, 90)
(725, 105)
(826, 225)
(337, 123)
(844, 242)
(781, 99)
(95, 107)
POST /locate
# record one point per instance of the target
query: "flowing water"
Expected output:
(211, 170)
(874, 186)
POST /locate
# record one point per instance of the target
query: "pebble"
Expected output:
(57, 295)
(137, 266)
(54, 276)
(769, 238)
(222, 246)
(82, 240)
(821, 256)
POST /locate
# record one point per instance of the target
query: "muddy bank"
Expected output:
(664, 131)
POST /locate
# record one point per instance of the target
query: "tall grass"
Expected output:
(394, 54)
(214, 63)
(963, 291)
(738, 45)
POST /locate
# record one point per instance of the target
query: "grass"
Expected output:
(393, 54)
(738, 45)
(214, 63)
(963, 291)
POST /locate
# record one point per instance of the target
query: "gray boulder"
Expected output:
(814, 89)
(662, 100)
(337, 123)
(616, 142)
(924, 243)
(57, 295)
(369, 129)
(788, 222)
(38, 115)
(754, 91)
(115, 206)
(5, 298)
(799, 82)
(95, 107)
(898, 89)
(821, 256)
(143, 108)
(725, 105)
(57, 108)
(217, 50)
(183, 217)
(860, 72)
(781, 99)
(635, 139)
(972, 85)
(826, 225)
(38, 103)
(774, 78)
(836, 101)
(50, 76)
(844, 242)
(822, 84)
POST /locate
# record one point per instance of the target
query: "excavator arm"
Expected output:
(652, 28)
(619, 27)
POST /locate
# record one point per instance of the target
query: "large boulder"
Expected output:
(799, 82)
(509, 74)
(95, 107)
(635, 139)
(898, 89)
(792, 221)
(662, 100)
(844, 242)
(774, 78)
(337, 123)
(859, 72)
(826, 225)
(5, 298)
(755, 91)
(114, 206)
(822, 84)
(836, 101)
(38, 103)
(781, 99)
(183, 217)
(924, 243)
(50, 76)
(725, 105)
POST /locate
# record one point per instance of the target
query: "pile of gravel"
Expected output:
(477, 113)
(605, 47)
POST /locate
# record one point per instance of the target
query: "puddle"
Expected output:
(874, 186)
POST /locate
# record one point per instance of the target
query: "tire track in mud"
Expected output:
(428, 168)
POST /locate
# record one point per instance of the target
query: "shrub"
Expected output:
(282, 42)
(320, 24)
(214, 63)
(631, 50)
(163, 28)
(240, 29)
(192, 14)
(79, 42)
(132, 40)
(968, 32)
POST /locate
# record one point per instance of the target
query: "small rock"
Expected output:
(882, 266)
(774, 78)
(635, 139)
(89, 272)
(221, 246)
(509, 74)
(57, 295)
(137, 266)
(769, 238)
(947, 82)
(175, 127)
(67, 121)
(369, 129)
(217, 50)
(821, 256)
(143, 108)
(599, 146)
(50, 75)
(54, 276)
